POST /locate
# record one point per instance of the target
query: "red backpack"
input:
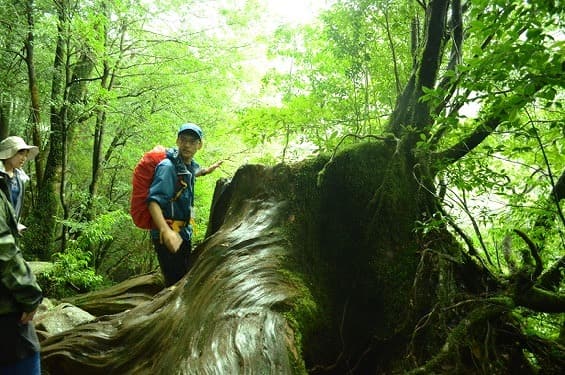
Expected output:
(141, 181)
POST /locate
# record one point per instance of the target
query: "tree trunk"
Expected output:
(42, 221)
(68, 90)
(33, 88)
(308, 267)
(311, 268)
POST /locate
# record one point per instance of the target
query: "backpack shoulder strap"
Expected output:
(181, 171)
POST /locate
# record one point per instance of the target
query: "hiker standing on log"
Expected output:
(171, 201)
(20, 295)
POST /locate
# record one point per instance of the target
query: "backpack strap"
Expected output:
(183, 186)
(181, 171)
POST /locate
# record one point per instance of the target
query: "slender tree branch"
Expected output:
(409, 108)
(393, 54)
(430, 61)
(558, 193)
(501, 111)
(447, 83)
(474, 139)
(456, 47)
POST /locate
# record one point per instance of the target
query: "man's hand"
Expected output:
(210, 169)
(27, 317)
(213, 167)
(171, 239)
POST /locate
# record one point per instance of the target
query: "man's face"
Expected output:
(188, 144)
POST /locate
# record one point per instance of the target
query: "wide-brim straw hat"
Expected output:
(11, 145)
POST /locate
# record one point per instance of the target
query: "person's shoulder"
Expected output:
(166, 162)
(165, 166)
(169, 159)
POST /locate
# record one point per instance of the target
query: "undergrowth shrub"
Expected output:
(71, 274)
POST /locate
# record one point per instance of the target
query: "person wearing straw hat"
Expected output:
(14, 152)
(20, 294)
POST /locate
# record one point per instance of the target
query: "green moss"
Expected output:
(355, 249)
(302, 317)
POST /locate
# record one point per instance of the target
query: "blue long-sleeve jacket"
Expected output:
(19, 180)
(166, 184)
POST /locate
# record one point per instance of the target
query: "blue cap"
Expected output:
(191, 128)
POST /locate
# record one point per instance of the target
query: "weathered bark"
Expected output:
(123, 296)
(226, 316)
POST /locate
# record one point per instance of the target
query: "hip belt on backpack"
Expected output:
(176, 225)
